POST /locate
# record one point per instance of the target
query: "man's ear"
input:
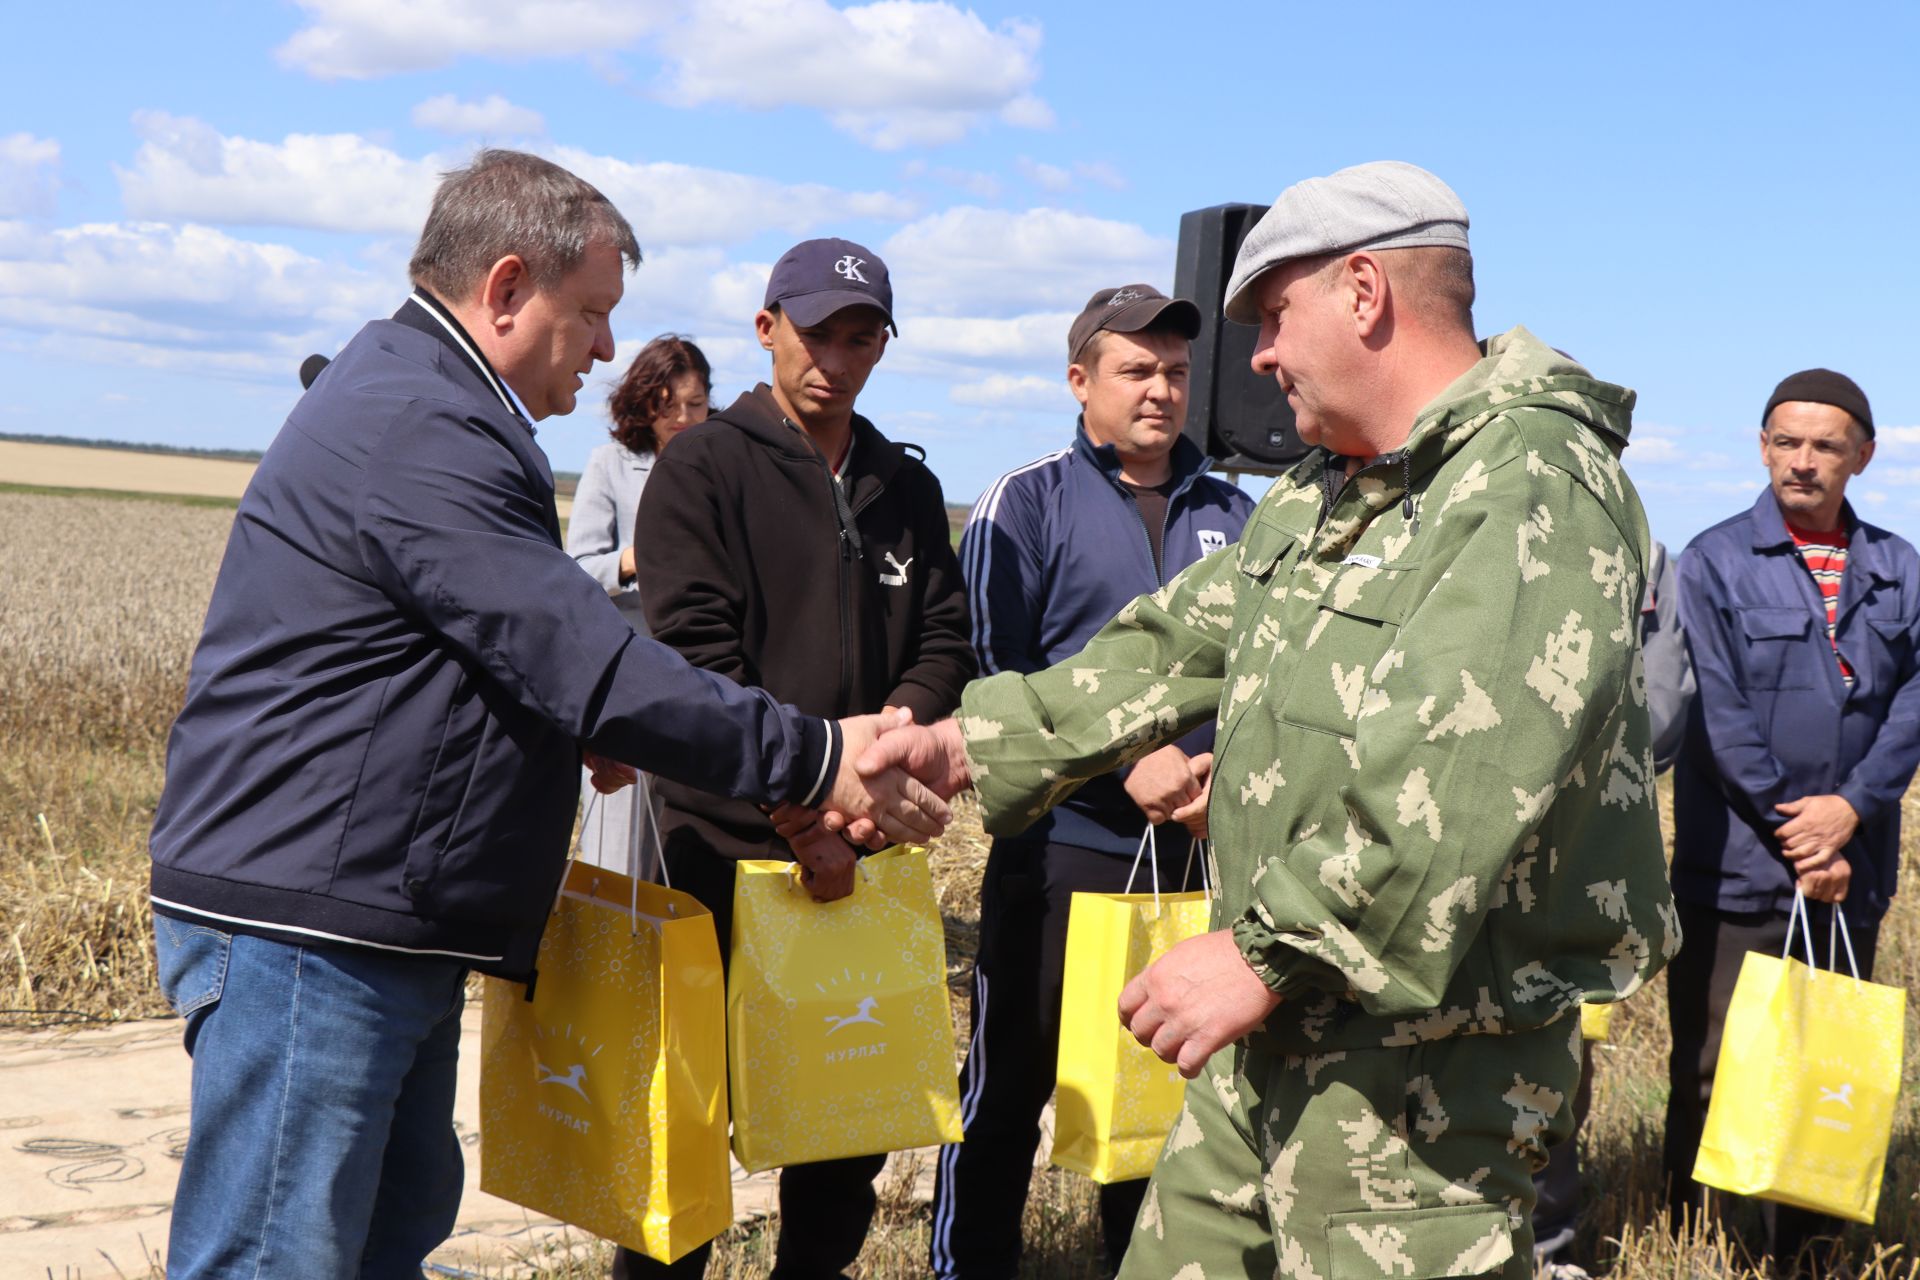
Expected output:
(1366, 285)
(507, 288)
(764, 323)
(1866, 455)
(1077, 380)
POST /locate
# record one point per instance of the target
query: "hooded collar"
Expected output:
(758, 414)
(1515, 370)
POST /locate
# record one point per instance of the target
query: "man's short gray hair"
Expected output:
(509, 202)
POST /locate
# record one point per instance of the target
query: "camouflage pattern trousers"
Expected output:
(1409, 1162)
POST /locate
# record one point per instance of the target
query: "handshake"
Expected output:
(893, 786)
(894, 781)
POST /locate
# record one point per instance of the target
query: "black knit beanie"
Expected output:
(1822, 386)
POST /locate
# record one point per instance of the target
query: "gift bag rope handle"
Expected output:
(1836, 931)
(596, 811)
(1150, 848)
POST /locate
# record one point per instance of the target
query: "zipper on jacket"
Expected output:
(849, 544)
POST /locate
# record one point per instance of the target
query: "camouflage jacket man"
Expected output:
(1433, 804)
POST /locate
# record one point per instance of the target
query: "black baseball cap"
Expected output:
(1129, 309)
(816, 278)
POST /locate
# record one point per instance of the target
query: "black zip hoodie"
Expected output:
(838, 597)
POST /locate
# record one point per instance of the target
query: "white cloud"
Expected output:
(1905, 477)
(187, 297)
(188, 171)
(492, 116)
(892, 73)
(679, 204)
(358, 39)
(1653, 450)
(29, 174)
(1048, 177)
(1899, 439)
(968, 260)
(976, 183)
(1004, 391)
(1054, 178)
(1034, 341)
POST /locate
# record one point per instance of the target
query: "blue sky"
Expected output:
(1694, 200)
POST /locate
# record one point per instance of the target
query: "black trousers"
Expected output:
(1700, 985)
(825, 1207)
(980, 1192)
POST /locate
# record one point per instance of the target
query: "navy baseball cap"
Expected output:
(816, 278)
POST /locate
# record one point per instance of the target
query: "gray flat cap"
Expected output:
(1387, 204)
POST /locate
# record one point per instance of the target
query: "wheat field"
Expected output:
(99, 609)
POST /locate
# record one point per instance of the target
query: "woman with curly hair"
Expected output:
(664, 391)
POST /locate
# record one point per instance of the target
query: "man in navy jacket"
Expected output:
(1804, 625)
(370, 787)
(1052, 552)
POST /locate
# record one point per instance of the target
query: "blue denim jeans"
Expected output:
(321, 1140)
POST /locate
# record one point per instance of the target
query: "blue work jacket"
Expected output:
(1775, 720)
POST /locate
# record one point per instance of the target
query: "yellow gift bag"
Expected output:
(1114, 1101)
(1809, 1071)
(840, 1037)
(603, 1098)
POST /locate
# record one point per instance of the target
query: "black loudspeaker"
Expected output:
(1237, 416)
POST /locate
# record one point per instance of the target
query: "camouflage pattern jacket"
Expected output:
(1433, 808)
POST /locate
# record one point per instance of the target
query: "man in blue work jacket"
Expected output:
(1804, 625)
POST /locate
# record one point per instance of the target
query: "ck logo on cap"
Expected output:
(849, 266)
(1125, 296)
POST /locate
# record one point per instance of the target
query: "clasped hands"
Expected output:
(1816, 830)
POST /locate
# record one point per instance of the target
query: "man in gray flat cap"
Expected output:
(1432, 801)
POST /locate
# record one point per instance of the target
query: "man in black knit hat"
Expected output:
(1804, 625)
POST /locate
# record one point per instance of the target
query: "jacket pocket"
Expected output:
(1893, 641)
(1357, 622)
(1419, 1244)
(1776, 652)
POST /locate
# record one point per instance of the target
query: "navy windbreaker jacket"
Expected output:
(1052, 551)
(1774, 720)
(381, 738)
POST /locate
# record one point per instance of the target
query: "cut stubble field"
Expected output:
(100, 606)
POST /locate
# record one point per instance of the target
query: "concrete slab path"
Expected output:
(93, 1122)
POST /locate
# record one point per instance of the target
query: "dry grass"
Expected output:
(99, 609)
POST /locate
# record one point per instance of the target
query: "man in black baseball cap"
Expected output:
(787, 538)
(817, 278)
(1053, 551)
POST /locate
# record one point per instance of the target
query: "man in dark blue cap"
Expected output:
(786, 543)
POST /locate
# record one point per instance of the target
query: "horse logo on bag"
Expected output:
(863, 1013)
